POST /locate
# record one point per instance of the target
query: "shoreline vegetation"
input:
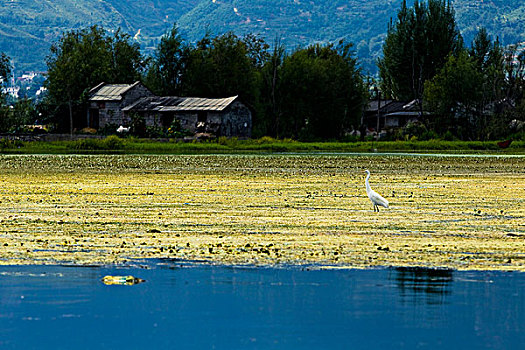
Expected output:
(462, 213)
(116, 145)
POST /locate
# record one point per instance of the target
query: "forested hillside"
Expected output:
(362, 22)
(28, 27)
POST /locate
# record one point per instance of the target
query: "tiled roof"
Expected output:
(180, 104)
(372, 105)
(394, 106)
(200, 104)
(391, 106)
(153, 103)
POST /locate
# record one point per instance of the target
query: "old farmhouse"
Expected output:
(114, 104)
(106, 102)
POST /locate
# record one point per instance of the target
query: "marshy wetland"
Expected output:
(457, 212)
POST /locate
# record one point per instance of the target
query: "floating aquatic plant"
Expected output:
(454, 212)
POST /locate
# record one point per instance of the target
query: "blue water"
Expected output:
(211, 307)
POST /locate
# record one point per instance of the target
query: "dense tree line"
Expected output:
(469, 92)
(312, 93)
(417, 44)
(81, 60)
(315, 93)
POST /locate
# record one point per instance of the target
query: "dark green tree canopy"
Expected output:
(417, 45)
(5, 73)
(166, 69)
(469, 93)
(481, 47)
(454, 91)
(221, 66)
(5, 66)
(270, 89)
(82, 59)
(322, 92)
(315, 92)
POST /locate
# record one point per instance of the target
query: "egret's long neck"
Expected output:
(367, 183)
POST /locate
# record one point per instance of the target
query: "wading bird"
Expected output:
(375, 197)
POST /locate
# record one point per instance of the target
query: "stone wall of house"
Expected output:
(134, 94)
(236, 121)
(392, 122)
(110, 112)
(188, 121)
(152, 118)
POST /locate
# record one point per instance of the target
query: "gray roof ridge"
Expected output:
(93, 89)
(129, 87)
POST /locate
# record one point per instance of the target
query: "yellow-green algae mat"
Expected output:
(448, 212)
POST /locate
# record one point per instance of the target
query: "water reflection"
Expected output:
(431, 285)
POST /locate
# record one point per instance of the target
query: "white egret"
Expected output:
(375, 197)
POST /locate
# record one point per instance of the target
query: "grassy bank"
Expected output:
(113, 144)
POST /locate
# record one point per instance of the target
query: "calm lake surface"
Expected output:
(194, 306)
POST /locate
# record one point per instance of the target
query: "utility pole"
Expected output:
(378, 95)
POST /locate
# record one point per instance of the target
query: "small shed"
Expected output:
(218, 116)
(106, 102)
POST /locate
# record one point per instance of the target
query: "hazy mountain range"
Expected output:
(29, 27)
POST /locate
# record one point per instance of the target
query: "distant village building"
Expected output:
(389, 114)
(114, 104)
(27, 77)
(12, 91)
(40, 91)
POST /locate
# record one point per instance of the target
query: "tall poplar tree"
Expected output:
(221, 66)
(322, 92)
(417, 45)
(5, 67)
(269, 123)
(5, 73)
(468, 94)
(166, 70)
